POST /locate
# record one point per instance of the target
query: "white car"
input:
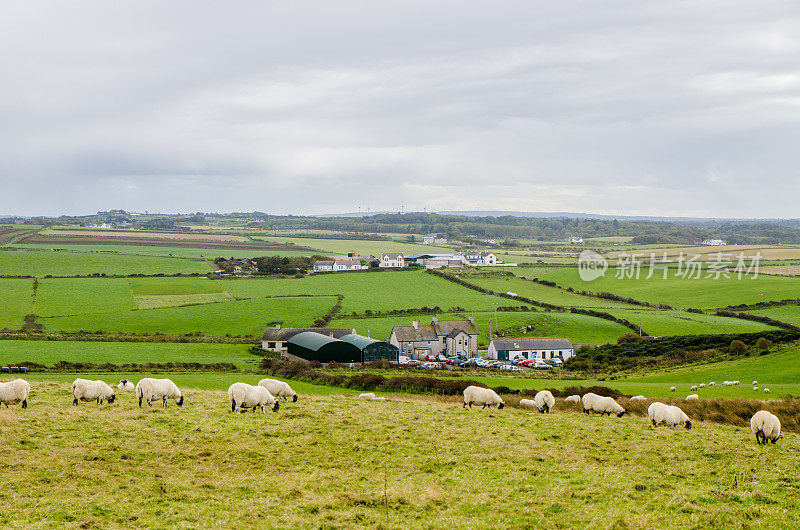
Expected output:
(430, 365)
(403, 359)
(507, 367)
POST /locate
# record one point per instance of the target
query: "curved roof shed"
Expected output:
(373, 349)
(314, 346)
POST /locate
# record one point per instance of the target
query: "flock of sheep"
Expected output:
(765, 425)
(693, 388)
(242, 396)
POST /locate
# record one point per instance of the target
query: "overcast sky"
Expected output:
(641, 108)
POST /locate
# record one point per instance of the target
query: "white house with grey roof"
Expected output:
(450, 337)
(538, 349)
(392, 260)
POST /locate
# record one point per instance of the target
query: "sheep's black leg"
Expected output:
(75, 401)
(164, 401)
(233, 405)
(24, 404)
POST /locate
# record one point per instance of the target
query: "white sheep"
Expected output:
(702, 385)
(601, 404)
(15, 391)
(755, 383)
(242, 395)
(528, 403)
(669, 415)
(638, 398)
(672, 389)
(755, 389)
(692, 397)
(124, 384)
(368, 395)
(766, 390)
(151, 389)
(544, 401)
(712, 383)
(279, 389)
(574, 398)
(694, 387)
(726, 383)
(482, 396)
(85, 390)
(736, 383)
(766, 426)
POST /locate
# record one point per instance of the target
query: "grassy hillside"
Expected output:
(17, 301)
(65, 263)
(662, 323)
(787, 313)
(337, 461)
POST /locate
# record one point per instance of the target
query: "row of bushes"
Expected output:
(69, 366)
(608, 316)
(763, 305)
(756, 318)
(101, 336)
(327, 317)
(459, 281)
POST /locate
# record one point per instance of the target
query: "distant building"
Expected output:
(715, 242)
(392, 260)
(574, 240)
(323, 266)
(313, 346)
(432, 239)
(347, 265)
(479, 259)
(538, 349)
(450, 337)
(275, 338)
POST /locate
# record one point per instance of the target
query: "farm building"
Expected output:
(392, 260)
(323, 266)
(348, 265)
(449, 337)
(275, 338)
(313, 346)
(372, 349)
(539, 349)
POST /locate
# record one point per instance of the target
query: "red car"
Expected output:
(430, 358)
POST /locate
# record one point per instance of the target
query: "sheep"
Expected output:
(575, 398)
(694, 387)
(755, 383)
(249, 396)
(755, 389)
(712, 383)
(736, 383)
(151, 389)
(15, 391)
(368, 395)
(672, 389)
(766, 426)
(482, 396)
(669, 415)
(702, 385)
(692, 397)
(726, 383)
(544, 401)
(85, 390)
(527, 403)
(766, 390)
(638, 398)
(602, 405)
(279, 389)
(124, 384)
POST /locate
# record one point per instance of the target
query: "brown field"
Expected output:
(768, 252)
(128, 234)
(781, 270)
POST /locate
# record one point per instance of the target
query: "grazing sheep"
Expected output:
(368, 395)
(669, 415)
(242, 395)
(766, 390)
(755, 389)
(694, 387)
(692, 397)
(601, 405)
(702, 385)
(712, 383)
(766, 426)
(379, 398)
(726, 383)
(544, 401)
(482, 396)
(126, 385)
(151, 389)
(735, 383)
(672, 389)
(15, 391)
(528, 403)
(574, 398)
(638, 398)
(279, 389)
(85, 390)
(755, 383)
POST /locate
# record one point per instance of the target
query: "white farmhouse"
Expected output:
(347, 265)
(715, 242)
(323, 266)
(538, 349)
(392, 260)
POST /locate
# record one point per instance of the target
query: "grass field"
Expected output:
(339, 462)
(143, 250)
(50, 352)
(65, 263)
(786, 313)
(360, 247)
(703, 293)
(17, 301)
(660, 323)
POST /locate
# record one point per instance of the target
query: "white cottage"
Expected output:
(538, 349)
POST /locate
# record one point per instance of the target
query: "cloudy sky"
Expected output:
(641, 108)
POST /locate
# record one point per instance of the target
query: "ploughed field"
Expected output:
(338, 461)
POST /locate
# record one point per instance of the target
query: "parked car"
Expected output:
(516, 369)
(413, 362)
(541, 366)
(507, 366)
(441, 358)
(430, 358)
(452, 361)
(403, 359)
(469, 363)
(431, 365)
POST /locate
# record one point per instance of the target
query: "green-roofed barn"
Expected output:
(372, 349)
(313, 346)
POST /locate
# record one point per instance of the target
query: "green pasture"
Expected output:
(83, 296)
(17, 301)
(359, 246)
(703, 293)
(659, 322)
(787, 313)
(72, 263)
(178, 252)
